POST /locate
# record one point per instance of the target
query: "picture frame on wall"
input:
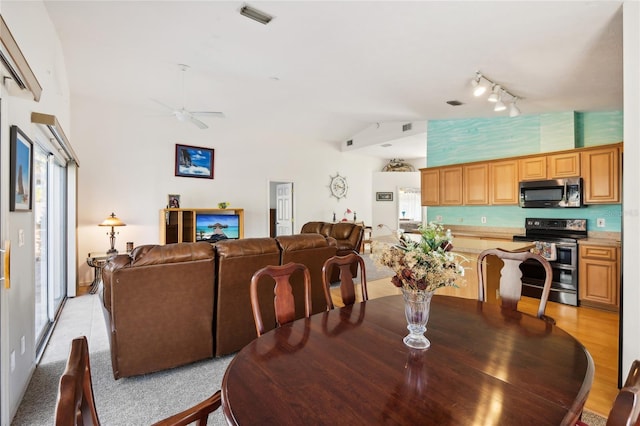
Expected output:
(173, 201)
(21, 171)
(384, 196)
(193, 161)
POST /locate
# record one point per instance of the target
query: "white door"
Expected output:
(284, 217)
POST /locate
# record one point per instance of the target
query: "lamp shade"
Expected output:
(112, 220)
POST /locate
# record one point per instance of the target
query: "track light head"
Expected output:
(495, 93)
(514, 111)
(478, 86)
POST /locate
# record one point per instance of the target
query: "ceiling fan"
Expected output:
(183, 114)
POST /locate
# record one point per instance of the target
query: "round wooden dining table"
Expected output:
(486, 366)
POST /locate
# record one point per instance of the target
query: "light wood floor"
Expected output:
(597, 330)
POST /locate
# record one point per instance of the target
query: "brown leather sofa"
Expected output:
(171, 305)
(158, 304)
(348, 238)
(238, 260)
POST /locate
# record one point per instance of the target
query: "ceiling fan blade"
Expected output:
(170, 108)
(198, 123)
(208, 114)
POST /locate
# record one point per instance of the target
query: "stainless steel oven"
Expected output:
(558, 239)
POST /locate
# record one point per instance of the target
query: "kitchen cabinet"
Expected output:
(563, 165)
(533, 168)
(554, 166)
(476, 184)
(601, 175)
(495, 182)
(503, 182)
(451, 186)
(599, 276)
(441, 186)
(430, 187)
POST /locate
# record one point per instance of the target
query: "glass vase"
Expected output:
(417, 304)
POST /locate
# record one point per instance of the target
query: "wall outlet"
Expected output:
(600, 222)
(483, 219)
(438, 218)
(23, 346)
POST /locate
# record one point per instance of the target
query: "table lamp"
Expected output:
(112, 221)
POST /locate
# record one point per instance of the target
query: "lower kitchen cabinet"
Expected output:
(599, 276)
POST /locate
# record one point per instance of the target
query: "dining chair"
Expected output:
(347, 287)
(76, 403)
(626, 407)
(511, 278)
(284, 302)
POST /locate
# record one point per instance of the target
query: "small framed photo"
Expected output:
(173, 201)
(384, 196)
(21, 170)
(193, 161)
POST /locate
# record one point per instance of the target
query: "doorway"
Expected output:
(281, 208)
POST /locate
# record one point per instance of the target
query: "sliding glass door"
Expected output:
(50, 259)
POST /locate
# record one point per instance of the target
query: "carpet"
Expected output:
(140, 400)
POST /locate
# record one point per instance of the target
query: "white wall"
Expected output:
(631, 201)
(386, 212)
(32, 29)
(127, 166)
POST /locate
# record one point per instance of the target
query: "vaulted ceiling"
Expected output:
(332, 68)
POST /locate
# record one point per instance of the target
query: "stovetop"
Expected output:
(553, 230)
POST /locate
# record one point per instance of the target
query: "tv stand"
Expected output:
(179, 225)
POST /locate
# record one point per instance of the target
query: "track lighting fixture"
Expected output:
(497, 96)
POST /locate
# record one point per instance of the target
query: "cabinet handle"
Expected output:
(7, 264)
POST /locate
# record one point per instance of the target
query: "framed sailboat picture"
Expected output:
(21, 170)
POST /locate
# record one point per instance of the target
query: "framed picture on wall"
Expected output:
(193, 161)
(21, 170)
(384, 196)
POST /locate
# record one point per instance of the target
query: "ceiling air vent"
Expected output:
(350, 142)
(455, 103)
(407, 127)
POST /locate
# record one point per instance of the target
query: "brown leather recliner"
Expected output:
(348, 238)
(237, 261)
(158, 304)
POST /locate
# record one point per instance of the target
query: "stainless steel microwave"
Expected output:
(551, 193)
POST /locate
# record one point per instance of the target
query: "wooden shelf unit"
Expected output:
(179, 225)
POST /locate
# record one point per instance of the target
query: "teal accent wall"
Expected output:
(468, 140)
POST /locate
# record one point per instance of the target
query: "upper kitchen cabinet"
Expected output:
(563, 165)
(441, 186)
(503, 180)
(451, 186)
(601, 175)
(476, 184)
(554, 166)
(533, 168)
(430, 187)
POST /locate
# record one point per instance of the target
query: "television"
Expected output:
(213, 227)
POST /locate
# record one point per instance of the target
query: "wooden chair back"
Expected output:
(76, 404)
(511, 278)
(626, 407)
(283, 301)
(347, 287)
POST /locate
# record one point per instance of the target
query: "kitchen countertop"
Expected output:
(476, 246)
